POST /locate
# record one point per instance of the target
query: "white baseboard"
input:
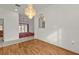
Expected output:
(7, 43)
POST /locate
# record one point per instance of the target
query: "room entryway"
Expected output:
(1, 30)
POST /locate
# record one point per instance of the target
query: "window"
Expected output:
(26, 28)
(22, 28)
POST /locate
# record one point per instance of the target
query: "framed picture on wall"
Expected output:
(41, 21)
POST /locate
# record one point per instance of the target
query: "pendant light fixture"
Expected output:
(30, 11)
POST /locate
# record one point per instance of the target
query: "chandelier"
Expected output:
(30, 11)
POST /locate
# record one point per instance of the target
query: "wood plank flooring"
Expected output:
(34, 47)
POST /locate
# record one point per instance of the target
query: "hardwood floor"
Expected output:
(34, 47)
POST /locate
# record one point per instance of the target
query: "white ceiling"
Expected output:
(12, 7)
(37, 7)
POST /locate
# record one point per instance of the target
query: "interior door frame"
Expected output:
(2, 28)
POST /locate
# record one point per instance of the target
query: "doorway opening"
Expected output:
(1, 30)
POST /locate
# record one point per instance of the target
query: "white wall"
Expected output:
(11, 22)
(31, 25)
(62, 26)
(1, 21)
